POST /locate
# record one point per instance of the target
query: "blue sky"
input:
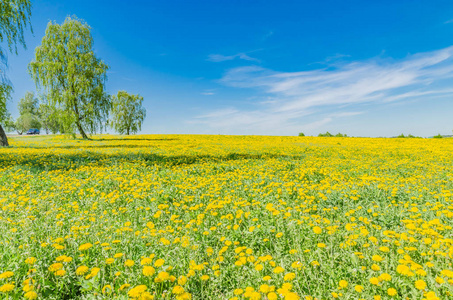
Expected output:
(365, 68)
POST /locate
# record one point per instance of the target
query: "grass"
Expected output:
(226, 217)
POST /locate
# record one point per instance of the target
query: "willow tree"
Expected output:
(70, 75)
(127, 113)
(14, 18)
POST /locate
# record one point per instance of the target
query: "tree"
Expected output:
(28, 104)
(327, 134)
(14, 18)
(9, 123)
(5, 95)
(127, 113)
(26, 122)
(28, 110)
(51, 118)
(70, 74)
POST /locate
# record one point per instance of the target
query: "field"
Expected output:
(226, 217)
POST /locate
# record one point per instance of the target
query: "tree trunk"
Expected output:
(79, 126)
(3, 138)
(127, 132)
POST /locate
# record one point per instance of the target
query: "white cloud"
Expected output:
(267, 35)
(297, 95)
(220, 57)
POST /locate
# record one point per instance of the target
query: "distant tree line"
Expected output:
(410, 136)
(327, 134)
(70, 80)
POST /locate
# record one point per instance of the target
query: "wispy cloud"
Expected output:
(344, 87)
(448, 22)
(220, 57)
(209, 92)
(267, 35)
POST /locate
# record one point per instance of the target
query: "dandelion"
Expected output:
(6, 274)
(289, 276)
(82, 270)
(137, 291)
(30, 260)
(238, 292)
(377, 258)
(272, 296)
(385, 277)
(204, 277)
(7, 287)
(109, 261)
(159, 263)
(182, 280)
(391, 292)
(55, 267)
(358, 288)
(146, 261)
(31, 295)
(178, 290)
(129, 263)
(343, 284)
(107, 289)
(86, 246)
(317, 230)
(420, 284)
(148, 271)
(60, 273)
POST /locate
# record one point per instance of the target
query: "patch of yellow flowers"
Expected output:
(226, 217)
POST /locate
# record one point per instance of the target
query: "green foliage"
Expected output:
(28, 110)
(28, 104)
(9, 123)
(26, 122)
(127, 113)
(52, 118)
(66, 69)
(5, 96)
(408, 136)
(301, 134)
(341, 135)
(327, 134)
(14, 18)
(438, 136)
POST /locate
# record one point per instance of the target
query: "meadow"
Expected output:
(226, 217)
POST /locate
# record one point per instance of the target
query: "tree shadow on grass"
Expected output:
(92, 143)
(133, 139)
(49, 161)
(81, 147)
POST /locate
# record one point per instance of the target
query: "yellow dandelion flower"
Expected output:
(420, 284)
(391, 292)
(31, 295)
(82, 270)
(148, 271)
(6, 274)
(86, 246)
(7, 287)
(159, 263)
